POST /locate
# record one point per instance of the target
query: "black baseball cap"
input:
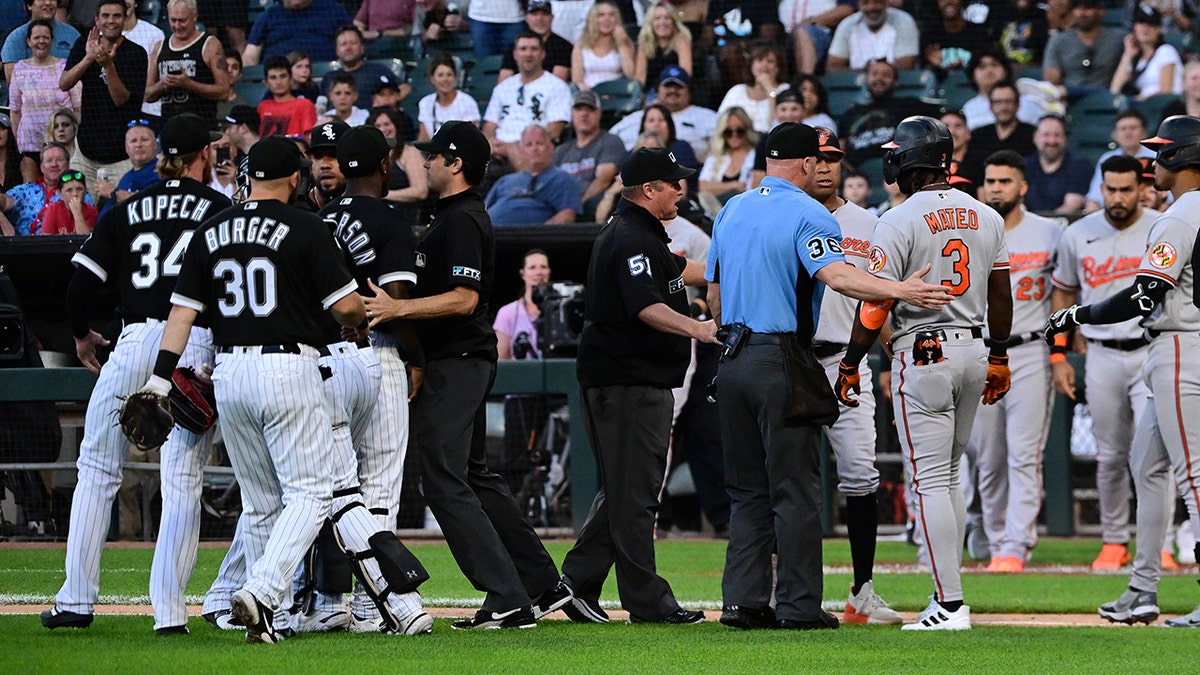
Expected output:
(788, 96)
(275, 157)
(1088, 3)
(646, 165)
(243, 114)
(828, 144)
(388, 81)
(460, 139)
(539, 6)
(792, 140)
(186, 133)
(327, 135)
(360, 151)
(1147, 14)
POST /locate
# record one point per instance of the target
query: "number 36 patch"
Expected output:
(819, 247)
(639, 264)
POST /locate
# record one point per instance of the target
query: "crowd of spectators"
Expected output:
(96, 79)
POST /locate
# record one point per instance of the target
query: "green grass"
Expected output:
(126, 643)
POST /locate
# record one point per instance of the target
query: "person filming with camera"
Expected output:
(516, 322)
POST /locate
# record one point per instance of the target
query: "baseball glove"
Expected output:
(192, 401)
(146, 419)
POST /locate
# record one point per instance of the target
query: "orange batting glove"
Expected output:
(847, 381)
(999, 379)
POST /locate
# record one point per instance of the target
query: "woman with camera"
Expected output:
(516, 322)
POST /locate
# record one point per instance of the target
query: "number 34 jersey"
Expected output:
(265, 273)
(139, 244)
(962, 238)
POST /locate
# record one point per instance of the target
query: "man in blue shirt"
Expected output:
(542, 193)
(773, 251)
(15, 47)
(1058, 178)
(308, 26)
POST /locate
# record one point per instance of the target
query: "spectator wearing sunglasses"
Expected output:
(726, 171)
(142, 148)
(23, 204)
(70, 214)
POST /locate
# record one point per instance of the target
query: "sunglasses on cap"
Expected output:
(137, 123)
(70, 176)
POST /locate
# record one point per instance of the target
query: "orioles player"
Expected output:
(1163, 296)
(941, 368)
(1008, 437)
(138, 246)
(1098, 255)
(853, 435)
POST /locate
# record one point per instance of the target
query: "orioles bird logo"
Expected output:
(876, 260)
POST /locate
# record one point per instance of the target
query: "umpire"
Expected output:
(635, 348)
(770, 247)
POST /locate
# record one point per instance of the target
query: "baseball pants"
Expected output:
(383, 445)
(1116, 393)
(853, 435)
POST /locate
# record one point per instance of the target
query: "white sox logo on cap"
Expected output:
(453, 146)
(327, 131)
(352, 163)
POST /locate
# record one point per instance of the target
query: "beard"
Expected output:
(1004, 207)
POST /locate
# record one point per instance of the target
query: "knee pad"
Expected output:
(402, 570)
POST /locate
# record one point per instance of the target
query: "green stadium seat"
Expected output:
(390, 47)
(845, 88)
(253, 73)
(916, 83)
(956, 90)
(1154, 107)
(618, 98)
(251, 91)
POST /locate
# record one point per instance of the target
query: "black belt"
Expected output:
(263, 349)
(323, 350)
(823, 350)
(1017, 340)
(766, 338)
(1122, 345)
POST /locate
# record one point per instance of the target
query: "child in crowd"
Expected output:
(301, 70)
(71, 214)
(343, 92)
(283, 113)
(856, 188)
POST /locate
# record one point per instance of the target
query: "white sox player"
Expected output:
(1097, 257)
(941, 368)
(1009, 436)
(853, 435)
(1164, 294)
(138, 246)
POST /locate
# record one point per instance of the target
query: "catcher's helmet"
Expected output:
(1177, 142)
(919, 142)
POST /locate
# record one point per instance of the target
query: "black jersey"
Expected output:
(376, 244)
(188, 60)
(139, 244)
(264, 272)
(457, 249)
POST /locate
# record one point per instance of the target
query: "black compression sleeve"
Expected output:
(164, 365)
(81, 291)
(1139, 299)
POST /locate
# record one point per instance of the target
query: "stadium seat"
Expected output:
(1153, 108)
(253, 73)
(391, 47)
(1091, 119)
(873, 170)
(956, 90)
(618, 98)
(917, 83)
(322, 68)
(251, 91)
(845, 88)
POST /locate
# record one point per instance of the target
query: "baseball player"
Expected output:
(264, 272)
(138, 246)
(1097, 256)
(1163, 296)
(941, 368)
(1008, 437)
(853, 435)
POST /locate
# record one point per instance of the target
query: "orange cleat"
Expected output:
(1112, 557)
(1168, 561)
(994, 566)
(1010, 564)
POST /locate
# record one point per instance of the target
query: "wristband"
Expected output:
(1060, 340)
(164, 365)
(998, 348)
(1058, 357)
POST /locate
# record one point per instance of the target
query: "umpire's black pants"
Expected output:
(495, 547)
(773, 478)
(629, 428)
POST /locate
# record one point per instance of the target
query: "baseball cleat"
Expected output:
(936, 617)
(1112, 557)
(172, 630)
(1133, 606)
(1168, 561)
(224, 620)
(372, 623)
(583, 610)
(678, 617)
(747, 618)
(257, 617)
(867, 607)
(1006, 564)
(552, 599)
(61, 618)
(1185, 542)
(321, 621)
(522, 617)
(977, 542)
(825, 621)
(416, 623)
(1190, 621)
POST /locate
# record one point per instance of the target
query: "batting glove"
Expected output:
(847, 381)
(999, 379)
(1060, 322)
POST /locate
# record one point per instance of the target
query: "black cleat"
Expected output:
(553, 599)
(172, 630)
(747, 618)
(522, 617)
(61, 618)
(584, 610)
(679, 616)
(258, 618)
(823, 622)
(223, 619)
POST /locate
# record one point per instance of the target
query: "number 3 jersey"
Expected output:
(963, 239)
(139, 244)
(265, 273)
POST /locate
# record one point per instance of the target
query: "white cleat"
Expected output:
(371, 623)
(321, 621)
(867, 607)
(936, 617)
(1189, 621)
(417, 623)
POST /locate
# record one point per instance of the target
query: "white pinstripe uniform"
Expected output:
(935, 403)
(266, 271)
(1097, 260)
(1009, 436)
(853, 435)
(137, 246)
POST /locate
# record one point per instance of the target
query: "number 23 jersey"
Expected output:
(264, 272)
(962, 238)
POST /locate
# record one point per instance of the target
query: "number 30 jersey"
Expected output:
(962, 238)
(264, 272)
(139, 244)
